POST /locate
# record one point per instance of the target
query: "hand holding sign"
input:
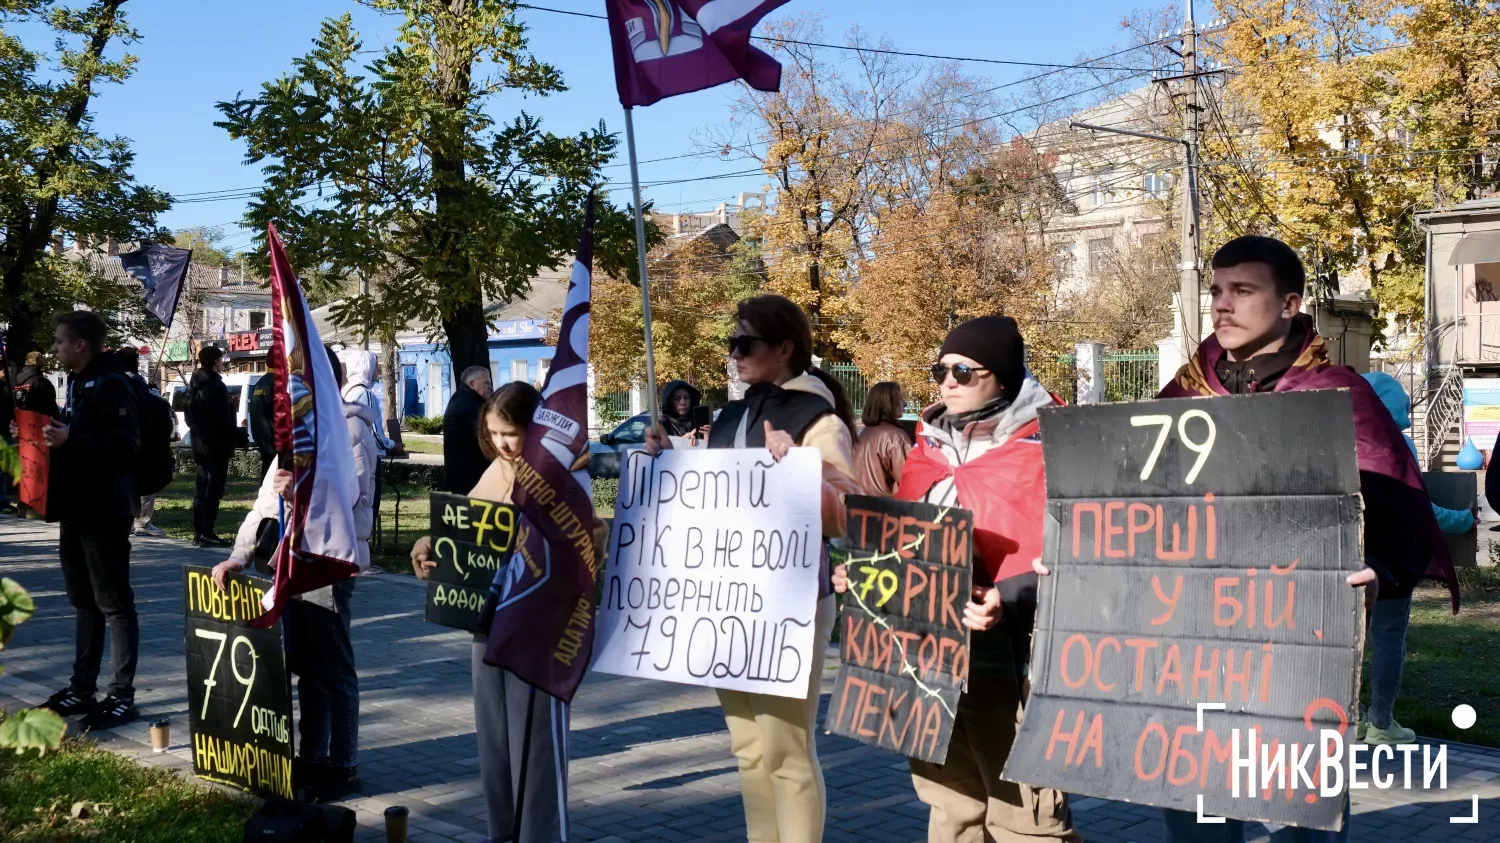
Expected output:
(55, 434)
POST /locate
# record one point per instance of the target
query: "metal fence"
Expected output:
(1058, 374)
(1131, 375)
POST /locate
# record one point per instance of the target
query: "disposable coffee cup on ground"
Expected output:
(395, 824)
(161, 735)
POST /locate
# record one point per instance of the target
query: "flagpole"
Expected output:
(640, 251)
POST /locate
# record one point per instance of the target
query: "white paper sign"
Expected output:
(712, 576)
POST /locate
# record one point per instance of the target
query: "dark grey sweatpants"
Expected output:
(500, 702)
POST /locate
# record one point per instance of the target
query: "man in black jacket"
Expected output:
(262, 419)
(463, 462)
(32, 390)
(90, 493)
(211, 425)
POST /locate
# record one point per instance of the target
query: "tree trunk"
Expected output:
(468, 338)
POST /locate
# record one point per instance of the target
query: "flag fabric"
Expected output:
(161, 271)
(668, 47)
(319, 542)
(540, 611)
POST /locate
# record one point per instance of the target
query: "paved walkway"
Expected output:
(651, 761)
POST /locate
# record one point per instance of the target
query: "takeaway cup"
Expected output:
(395, 824)
(161, 735)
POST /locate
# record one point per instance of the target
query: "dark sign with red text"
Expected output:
(1196, 607)
(903, 648)
(471, 540)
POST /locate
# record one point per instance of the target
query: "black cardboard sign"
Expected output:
(471, 541)
(1198, 551)
(239, 696)
(903, 649)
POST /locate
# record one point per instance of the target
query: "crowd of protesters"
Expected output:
(978, 447)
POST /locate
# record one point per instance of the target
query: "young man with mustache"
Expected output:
(1262, 342)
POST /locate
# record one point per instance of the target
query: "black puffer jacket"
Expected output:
(90, 474)
(34, 392)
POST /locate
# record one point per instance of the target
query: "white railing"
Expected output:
(1445, 409)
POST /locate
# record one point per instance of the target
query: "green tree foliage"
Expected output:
(441, 207)
(57, 174)
(205, 243)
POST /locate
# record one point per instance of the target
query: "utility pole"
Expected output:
(1191, 282)
(1190, 310)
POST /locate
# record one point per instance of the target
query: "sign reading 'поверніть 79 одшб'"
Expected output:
(713, 569)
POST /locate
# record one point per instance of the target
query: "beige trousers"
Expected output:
(775, 740)
(969, 801)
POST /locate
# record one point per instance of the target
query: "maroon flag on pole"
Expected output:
(319, 542)
(540, 612)
(668, 47)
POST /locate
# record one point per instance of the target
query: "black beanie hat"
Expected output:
(993, 342)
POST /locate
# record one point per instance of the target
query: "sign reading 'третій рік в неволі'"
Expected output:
(239, 695)
(1198, 552)
(713, 569)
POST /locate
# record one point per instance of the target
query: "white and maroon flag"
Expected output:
(540, 613)
(668, 47)
(319, 542)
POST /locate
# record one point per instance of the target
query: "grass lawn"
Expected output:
(421, 446)
(129, 803)
(1453, 659)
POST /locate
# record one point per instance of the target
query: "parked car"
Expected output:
(606, 454)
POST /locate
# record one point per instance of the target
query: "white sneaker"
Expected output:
(150, 530)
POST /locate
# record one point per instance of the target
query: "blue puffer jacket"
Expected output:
(1393, 395)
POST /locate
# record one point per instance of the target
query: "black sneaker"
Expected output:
(210, 541)
(8, 509)
(68, 702)
(111, 712)
(333, 784)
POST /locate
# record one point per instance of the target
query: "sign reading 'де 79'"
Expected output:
(904, 649)
(1198, 550)
(471, 540)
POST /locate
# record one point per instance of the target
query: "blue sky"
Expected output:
(194, 53)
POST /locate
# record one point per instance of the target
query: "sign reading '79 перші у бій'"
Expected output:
(1198, 550)
(903, 648)
(472, 539)
(239, 692)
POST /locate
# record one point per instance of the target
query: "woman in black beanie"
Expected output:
(979, 448)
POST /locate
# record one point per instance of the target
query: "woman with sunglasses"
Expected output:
(788, 403)
(979, 448)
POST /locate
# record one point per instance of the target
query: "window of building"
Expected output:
(542, 367)
(1065, 261)
(1101, 254)
(257, 320)
(518, 370)
(1158, 184)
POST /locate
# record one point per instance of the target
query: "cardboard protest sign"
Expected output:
(904, 648)
(34, 459)
(471, 540)
(239, 693)
(1198, 550)
(712, 575)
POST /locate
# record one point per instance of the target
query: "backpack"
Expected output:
(154, 464)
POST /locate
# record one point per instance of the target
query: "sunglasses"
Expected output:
(963, 373)
(744, 344)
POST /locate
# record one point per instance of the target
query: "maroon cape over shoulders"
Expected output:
(1395, 496)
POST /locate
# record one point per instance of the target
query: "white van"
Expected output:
(238, 386)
